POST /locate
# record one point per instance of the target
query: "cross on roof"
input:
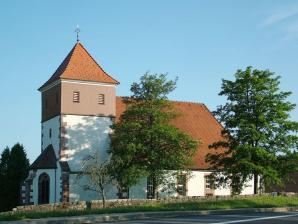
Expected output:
(77, 30)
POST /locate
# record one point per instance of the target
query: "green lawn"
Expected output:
(250, 202)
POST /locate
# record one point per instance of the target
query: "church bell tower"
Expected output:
(78, 107)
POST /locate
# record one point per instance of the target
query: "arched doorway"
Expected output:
(43, 189)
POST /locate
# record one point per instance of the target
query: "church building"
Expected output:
(79, 104)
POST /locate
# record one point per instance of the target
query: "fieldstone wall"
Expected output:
(96, 204)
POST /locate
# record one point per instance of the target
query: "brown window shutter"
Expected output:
(101, 99)
(76, 97)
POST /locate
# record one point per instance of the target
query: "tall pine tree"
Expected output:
(14, 168)
(260, 138)
(18, 168)
(4, 188)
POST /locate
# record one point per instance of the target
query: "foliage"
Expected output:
(144, 142)
(258, 136)
(14, 168)
(97, 175)
(211, 204)
(4, 188)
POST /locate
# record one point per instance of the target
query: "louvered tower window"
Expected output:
(76, 97)
(101, 99)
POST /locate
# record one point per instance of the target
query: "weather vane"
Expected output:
(77, 30)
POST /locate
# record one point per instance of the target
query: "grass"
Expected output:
(250, 202)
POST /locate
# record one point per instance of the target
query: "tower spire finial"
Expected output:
(77, 30)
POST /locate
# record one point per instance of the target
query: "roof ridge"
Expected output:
(192, 102)
(213, 116)
(64, 62)
(97, 63)
(180, 101)
(70, 55)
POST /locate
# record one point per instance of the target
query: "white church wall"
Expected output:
(77, 192)
(55, 187)
(196, 183)
(85, 135)
(195, 187)
(53, 125)
(249, 188)
(222, 191)
(139, 191)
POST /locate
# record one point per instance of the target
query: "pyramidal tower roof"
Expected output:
(80, 65)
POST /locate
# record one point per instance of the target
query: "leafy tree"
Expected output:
(259, 137)
(98, 176)
(4, 189)
(144, 143)
(14, 168)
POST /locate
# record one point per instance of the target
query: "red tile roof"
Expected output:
(196, 120)
(79, 65)
(46, 160)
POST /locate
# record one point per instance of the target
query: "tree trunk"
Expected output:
(256, 183)
(155, 188)
(103, 196)
(262, 187)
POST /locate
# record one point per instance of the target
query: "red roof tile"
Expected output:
(46, 160)
(196, 120)
(79, 65)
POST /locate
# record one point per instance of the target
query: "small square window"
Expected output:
(76, 97)
(101, 99)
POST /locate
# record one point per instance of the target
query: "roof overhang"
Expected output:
(82, 82)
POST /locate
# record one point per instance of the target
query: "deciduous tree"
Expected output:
(259, 136)
(144, 143)
(98, 177)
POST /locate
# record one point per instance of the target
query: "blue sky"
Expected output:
(201, 42)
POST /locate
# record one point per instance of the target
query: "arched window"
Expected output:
(43, 189)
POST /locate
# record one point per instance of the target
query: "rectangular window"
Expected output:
(209, 183)
(101, 99)
(50, 133)
(181, 184)
(76, 97)
(123, 192)
(150, 188)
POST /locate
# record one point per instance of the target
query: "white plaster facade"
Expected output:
(55, 184)
(53, 138)
(78, 193)
(195, 186)
(249, 188)
(85, 136)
